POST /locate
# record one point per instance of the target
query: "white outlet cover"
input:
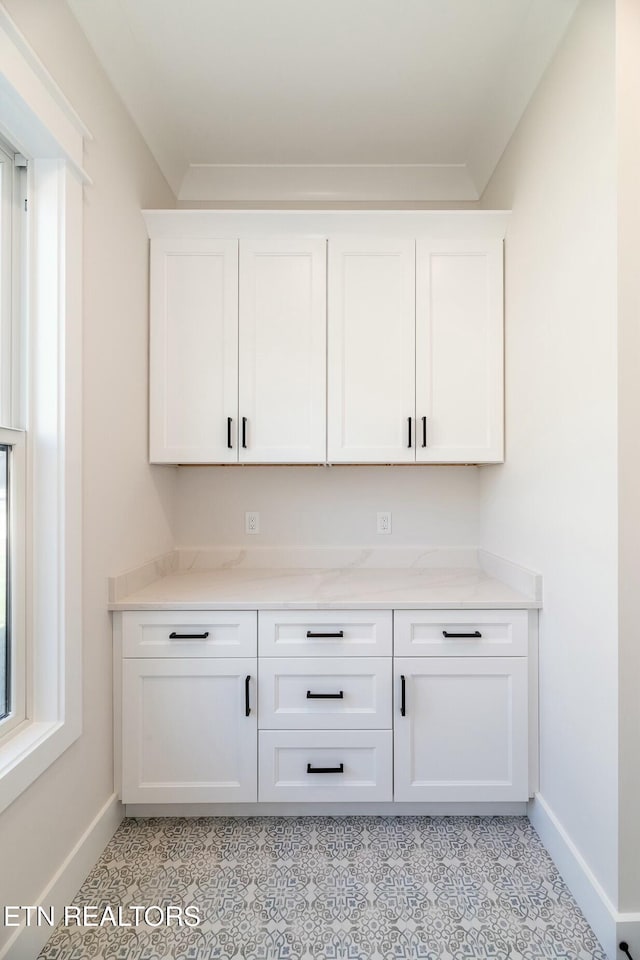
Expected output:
(383, 524)
(252, 522)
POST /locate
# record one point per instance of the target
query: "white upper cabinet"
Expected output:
(282, 355)
(459, 346)
(371, 330)
(193, 350)
(288, 347)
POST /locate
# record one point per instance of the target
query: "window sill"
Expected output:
(28, 751)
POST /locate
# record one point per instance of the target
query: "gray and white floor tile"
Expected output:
(332, 888)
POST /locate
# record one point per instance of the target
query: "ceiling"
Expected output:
(325, 99)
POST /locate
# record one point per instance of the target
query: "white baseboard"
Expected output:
(609, 926)
(27, 942)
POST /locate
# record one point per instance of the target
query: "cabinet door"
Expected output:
(193, 351)
(186, 735)
(282, 350)
(371, 350)
(463, 735)
(459, 351)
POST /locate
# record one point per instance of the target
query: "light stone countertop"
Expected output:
(244, 587)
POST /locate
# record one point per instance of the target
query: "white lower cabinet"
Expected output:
(314, 706)
(189, 730)
(460, 729)
(332, 766)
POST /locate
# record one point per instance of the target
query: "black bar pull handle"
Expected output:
(229, 441)
(409, 419)
(247, 707)
(244, 432)
(189, 636)
(462, 636)
(624, 947)
(403, 696)
(338, 769)
(338, 635)
(424, 431)
(325, 696)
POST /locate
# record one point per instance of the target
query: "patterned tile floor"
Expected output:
(331, 888)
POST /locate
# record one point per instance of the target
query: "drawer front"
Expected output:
(189, 634)
(325, 633)
(471, 633)
(329, 766)
(325, 694)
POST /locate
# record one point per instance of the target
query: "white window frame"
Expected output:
(38, 121)
(13, 246)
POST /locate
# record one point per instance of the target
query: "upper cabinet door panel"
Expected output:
(459, 351)
(193, 350)
(282, 350)
(371, 350)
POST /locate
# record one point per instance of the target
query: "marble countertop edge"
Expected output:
(365, 604)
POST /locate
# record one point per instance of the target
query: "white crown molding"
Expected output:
(332, 183)
(325, 223)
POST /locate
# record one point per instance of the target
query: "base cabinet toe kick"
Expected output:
(332, 706)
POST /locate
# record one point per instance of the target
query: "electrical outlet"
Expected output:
(384, 522)
(252, 521)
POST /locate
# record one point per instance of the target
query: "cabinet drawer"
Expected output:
(189, 634)
(325, 633)
(473, 633)
(325, 694)
(345, 765)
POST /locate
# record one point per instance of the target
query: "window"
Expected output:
(13, 692)
(40, 416)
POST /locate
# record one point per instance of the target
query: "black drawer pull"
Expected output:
(189, 636)
(409, 438)
(325, 696)
(229, 441)
(462, 636)
(247, 707)
(244, 433)
(338, 635)
(403, 696)
(338, 769)
(424, 431)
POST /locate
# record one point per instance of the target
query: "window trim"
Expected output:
(12, 409)
(42, 125)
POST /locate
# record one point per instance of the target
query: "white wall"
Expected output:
(127, 505)
(628, 96)
(327, 505)
(553, 505)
